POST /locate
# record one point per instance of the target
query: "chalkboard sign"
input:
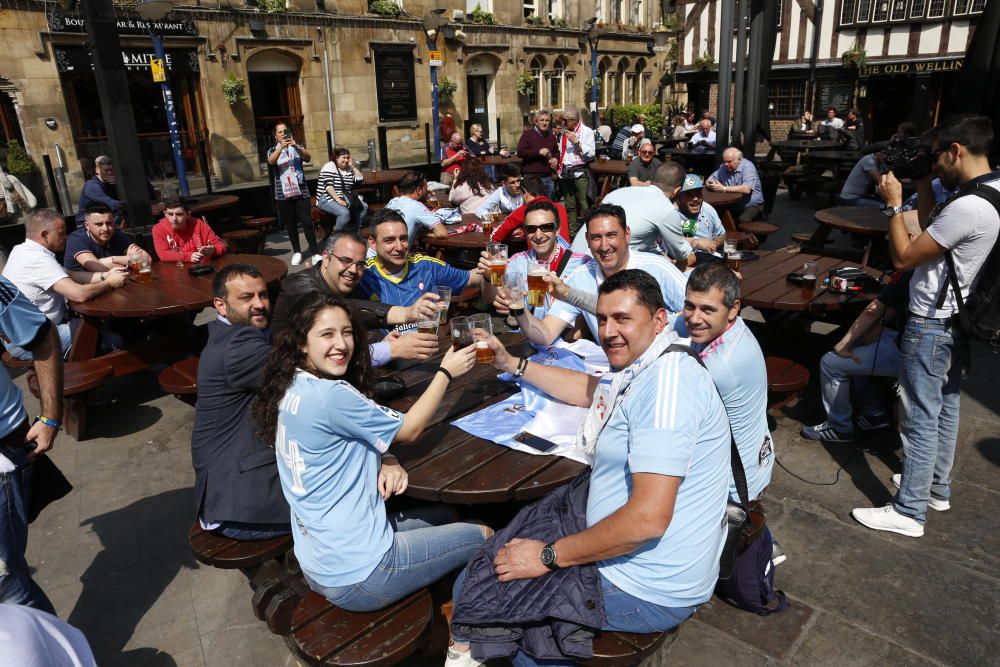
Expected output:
(836, 95)
(395, 87)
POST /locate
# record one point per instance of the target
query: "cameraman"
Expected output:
(932, 349)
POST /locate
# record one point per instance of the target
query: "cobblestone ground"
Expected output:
(114, 559)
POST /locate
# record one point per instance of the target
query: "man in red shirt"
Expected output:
(532, 189)
(178, 237)
(454, 155)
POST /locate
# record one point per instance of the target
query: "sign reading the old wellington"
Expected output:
(128, 24)
(395, 86)
(915, 67)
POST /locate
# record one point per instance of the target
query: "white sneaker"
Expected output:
(316, 259)
(936, 504)
(296, 259)
(887, 518)
(458, 659)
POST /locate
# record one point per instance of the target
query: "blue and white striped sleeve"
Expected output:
(20, 321)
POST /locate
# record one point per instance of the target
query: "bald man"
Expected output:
(454, 155)
(737, 174)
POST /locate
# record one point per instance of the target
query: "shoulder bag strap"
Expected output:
(736, 462)
(993, 197)
(563, 260)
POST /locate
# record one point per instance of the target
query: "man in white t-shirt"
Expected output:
(32, 266)
(932, 350)
(608, 237)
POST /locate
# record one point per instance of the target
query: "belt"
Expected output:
(15, 438)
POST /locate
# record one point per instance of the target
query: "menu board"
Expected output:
(395, 85)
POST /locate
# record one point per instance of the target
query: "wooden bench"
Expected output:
(760, 230)
(243, 241)
(785, 379)
(263, 225)
(623, 649)
(181, 380)
(227, 554)
(11, 362)
(79, 379)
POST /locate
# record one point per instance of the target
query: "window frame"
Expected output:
(790, 93)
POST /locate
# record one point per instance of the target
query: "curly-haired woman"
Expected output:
(331, 442)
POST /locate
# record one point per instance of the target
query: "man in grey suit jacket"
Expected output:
(237, 491)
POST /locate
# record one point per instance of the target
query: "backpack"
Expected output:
(979, 315)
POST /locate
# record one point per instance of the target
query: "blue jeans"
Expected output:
(428, 544)
(344, 214)
(549, 185)
(929, 381)
(16, 584)
(109, 340)
(625, 613)
(839, 374)
(252, 532)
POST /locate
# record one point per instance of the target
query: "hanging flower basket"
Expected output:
(853, 58)
(446, 90)
(525, 83)
(234, 89)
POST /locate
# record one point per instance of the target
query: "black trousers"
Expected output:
(292, 213)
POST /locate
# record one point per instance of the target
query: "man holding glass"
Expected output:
(394, 277)
(608, 238)
(546, 249)
(98, 246)
(339, 273)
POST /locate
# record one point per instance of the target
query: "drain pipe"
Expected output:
(326, 81)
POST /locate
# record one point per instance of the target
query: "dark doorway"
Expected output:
(698, 96)
(275, 99)
(479, 104)
(890, 101)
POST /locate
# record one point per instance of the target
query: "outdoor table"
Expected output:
(868, 221)
(607, 170)
(699, 162)
(172, 291)
(765, 285)
(448, 464)
(721, 202)
(468, 241)
(202, 204)
(498, 159)
(380, 181)
(800, 146)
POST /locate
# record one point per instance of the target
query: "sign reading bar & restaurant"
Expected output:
(912, 67)
(395, 85)
(128, 24)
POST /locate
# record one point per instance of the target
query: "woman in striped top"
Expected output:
(333, 190)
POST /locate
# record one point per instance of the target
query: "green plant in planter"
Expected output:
(588, 85)
(535, 20)
(478, 15)
(386, 8)
(234, 88)
(525, 83)
(853, 58)
(18, 162)
(446, 89)
(560, 23)
(272, 6)
(705, 62)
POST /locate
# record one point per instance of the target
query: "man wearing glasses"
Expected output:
(640, 172)
(339, 273)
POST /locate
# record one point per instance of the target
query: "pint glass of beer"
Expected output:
(514, 292)
(536, 283)
(733, 260)
(461, 332)
(429, 326)
(498, 262)
(444, 301)
(810, 274)
(482, 332)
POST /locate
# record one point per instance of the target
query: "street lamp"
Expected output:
(432, 23)
(156, 10)
(593, 35)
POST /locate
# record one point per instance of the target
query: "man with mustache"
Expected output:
(340, 273)
(237, 492)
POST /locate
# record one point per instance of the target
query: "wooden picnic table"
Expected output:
(202, 204)
(449, 465)
(499, 159)
(722, 202)
(607, 170)
(380, 181)
(868, 221)
(765, 285)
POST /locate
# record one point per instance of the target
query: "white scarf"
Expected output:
(611, 390)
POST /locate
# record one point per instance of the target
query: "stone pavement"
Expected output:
(114, 559)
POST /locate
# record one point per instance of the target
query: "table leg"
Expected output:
(727, 220)
(817, 241)
(606, 186)
(85, 340)
(867, 253)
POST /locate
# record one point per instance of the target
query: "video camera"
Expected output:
(905, 157)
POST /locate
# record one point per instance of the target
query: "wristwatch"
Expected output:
(890, 211)
(548, 557)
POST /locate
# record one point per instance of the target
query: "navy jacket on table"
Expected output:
(236, 476)
(554, 616)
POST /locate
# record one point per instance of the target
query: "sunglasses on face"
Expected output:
(548, 227)
(646, 153)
